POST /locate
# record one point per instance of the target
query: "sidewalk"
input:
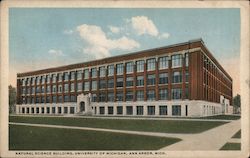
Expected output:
(212, 139)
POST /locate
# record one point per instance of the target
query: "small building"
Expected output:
(177, 80)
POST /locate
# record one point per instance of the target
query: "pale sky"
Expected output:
(43, 38)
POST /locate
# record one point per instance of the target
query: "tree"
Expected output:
(236, 102)
(12, 99)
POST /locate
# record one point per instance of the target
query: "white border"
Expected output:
(244, 57)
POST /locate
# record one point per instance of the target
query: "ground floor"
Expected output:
(182, 108)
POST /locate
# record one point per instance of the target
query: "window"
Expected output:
(94, 97)
(129, 67)
(151, 95)
(54, 78)
(110, 110)
(72, 75)
(140, 95)
(163, 78)
(163, 62)
(33, 90)
(140, 81)
(119, 110)
(176, 93)
(110, 70)
(119, 82)
(119, 69)
(94, 85)
(163, 110)
(37, 99)
(60, 77)
(59, 98)
(151, 80)
(79, 74)
(24, 90)
(43, 79)
(177, 77)
(111, 83)
(86, 74)
(73, 98)
(79, 86)
(129, 96)
(119, 96)
(48, 79)
(140, 66)
(129, 110)
(129, 81)
(66, 87)
(186, 60)
(163, 94)
(187, 76)
(86, 86)
(66, 98)
(176, 110)
(139, 110)
(176, 60)
(102, 97)
(60, 88)
(71, 110)
(37, 90)
(72, 87)
(37, 81)
(102, 71)
(111, 97)
(66, 76)
(151, 64)
(93, 72)
(47, 99)
(43, 89)
(54, 99)
(151, 110)
(102, 110)
(102, 84)
(186, 92)
(65, 110)
(33, 81)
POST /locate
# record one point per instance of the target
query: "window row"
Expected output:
(151, 80)
(128, 67)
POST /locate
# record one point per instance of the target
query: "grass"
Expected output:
(222, 117)
(163, 126)
(42, 138)
(231, 146)
(237, 135)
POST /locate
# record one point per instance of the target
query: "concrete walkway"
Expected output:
(212, 139)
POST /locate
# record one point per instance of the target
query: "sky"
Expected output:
(41, 38)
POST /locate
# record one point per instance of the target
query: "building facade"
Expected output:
(177, 80)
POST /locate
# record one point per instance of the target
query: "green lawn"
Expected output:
(222, 117)
(237, 135)
(231, 146)
(164, 126)
(41, 138)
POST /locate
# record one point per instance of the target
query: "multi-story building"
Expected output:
(177, 80)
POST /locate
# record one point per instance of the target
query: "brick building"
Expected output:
(177, 80)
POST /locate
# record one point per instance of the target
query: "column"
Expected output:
(68, 109)
(97, 110)
(25, 110)
(145, 112)
(124, 110)
(170, 110)
(45, 110)
(105, 110)
(56, 109)
(115, 109)
(50, 110)
(157, 110)
(62, 110)
(134, 110)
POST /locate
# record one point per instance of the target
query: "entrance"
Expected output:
(82, 106)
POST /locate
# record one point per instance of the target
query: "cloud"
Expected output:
(143, 25)
(99, 45)
(164, 35)
(68, 32)
(114, 29)
(55, 52)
